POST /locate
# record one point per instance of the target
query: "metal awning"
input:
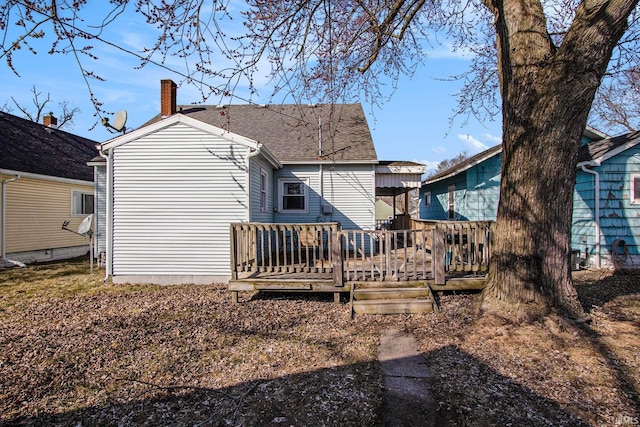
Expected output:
(395, 177)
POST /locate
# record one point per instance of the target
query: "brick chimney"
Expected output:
(168, 94)
(50, 121)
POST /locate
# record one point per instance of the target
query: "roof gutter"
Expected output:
(4, 222)
(596, 176)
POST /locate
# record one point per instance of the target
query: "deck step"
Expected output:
(397, 306)
(391, 293)
(391, 298)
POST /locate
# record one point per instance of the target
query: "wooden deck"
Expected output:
(321, 257)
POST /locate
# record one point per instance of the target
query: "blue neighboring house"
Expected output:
(606, 212)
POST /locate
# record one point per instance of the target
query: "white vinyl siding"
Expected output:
(350, 189)
(175, 192)
(309, 175)
(258, 167)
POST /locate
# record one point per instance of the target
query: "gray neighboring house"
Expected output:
(168, 191)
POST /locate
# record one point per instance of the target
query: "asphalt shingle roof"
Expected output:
(30, 147)
(595, 150)
(292, 132)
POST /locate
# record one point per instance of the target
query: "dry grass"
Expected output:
(77, 351)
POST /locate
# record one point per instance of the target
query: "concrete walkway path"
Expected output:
(408, 400)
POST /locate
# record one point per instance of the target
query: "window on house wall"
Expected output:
(635, 189)
(427, 198)
(452, 202)
(263, 190)
(81, 203)
(293, 195)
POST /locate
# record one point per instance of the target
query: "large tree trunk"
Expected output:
(547, 94)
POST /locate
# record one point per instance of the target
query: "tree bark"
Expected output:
(546, 94)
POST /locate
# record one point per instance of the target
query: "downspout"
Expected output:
(108, 214)
(4, 222)
(596, 177)
(320, 168)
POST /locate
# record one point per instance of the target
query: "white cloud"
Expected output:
(471, 143)
(492, 138)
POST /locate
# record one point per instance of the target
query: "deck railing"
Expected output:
(283, 248)
(467, 244)
(386, 255)
(428, 250)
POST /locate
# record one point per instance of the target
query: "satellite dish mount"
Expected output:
(118, 122)
(84, 229)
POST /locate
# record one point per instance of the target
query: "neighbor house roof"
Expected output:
(599, 151)
(294, 133)
(30, 147)
(465, 164)
(592, 152)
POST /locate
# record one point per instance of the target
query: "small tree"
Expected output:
(449, 163)
(65, 115)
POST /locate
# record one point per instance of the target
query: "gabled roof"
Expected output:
(294, 133)
(30, 147)
(599, 151)
(465, 164)
(153, 127)
(594, 152)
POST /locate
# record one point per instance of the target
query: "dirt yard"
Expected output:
(77, 351)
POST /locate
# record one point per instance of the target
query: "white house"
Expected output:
(168, 191)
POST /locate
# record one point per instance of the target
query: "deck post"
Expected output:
(437, 256)
(336, 257)
(232, 244)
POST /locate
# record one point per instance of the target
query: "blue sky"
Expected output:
(413, 125)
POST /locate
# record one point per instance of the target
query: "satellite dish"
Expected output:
(85, 225)
(120, 120)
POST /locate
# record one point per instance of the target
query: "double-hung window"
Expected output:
(294, 195)
(263, 190)
(81, 203)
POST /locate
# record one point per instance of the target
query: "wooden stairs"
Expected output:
(391, 298)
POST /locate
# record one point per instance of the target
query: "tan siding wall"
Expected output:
(35, 212)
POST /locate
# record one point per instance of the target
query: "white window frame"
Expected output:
(635, 180)
(83, 205)
(427, 198)
(305, 186)
(264, 190)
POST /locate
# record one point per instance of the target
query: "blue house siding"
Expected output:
(619, 217)
(477, 192)
(583, 229)
(615, 160)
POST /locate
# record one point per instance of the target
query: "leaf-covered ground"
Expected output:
(77, 351)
